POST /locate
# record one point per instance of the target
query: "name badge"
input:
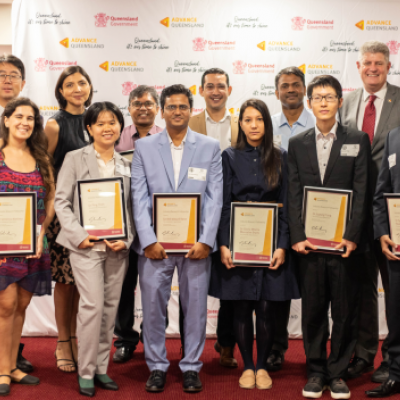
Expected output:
(277, 140)
(392, 160)
(198, 174)
(350, 150)
(125, 171)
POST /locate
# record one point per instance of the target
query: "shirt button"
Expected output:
(255, 159)
(255, 174)
(324, 165)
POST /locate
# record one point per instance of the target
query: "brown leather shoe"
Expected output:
(263, 380)
(248, 379)
(226, 359)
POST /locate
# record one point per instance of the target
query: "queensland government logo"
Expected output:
(127, 87)
(376, 25)
(199, 44)
(41, 64)
(120, 66)
(177, 22)
(239, 67)
(81, 43)
(101, 20)
(278, 45)
(298, 23)
(394, 46)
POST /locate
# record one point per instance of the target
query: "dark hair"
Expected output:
(324, 80)
(290, 71)
(270, 155)
(65, 74)
(37, 142)
(212, 71)
(93, 112)
(141, 90)
(10, 59)
(176, 89)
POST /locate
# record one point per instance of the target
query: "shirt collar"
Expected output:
(380, 94)
(99, 156)
(248, 147)
(332, 132)
(172, 143)
(301, 121)
(135, 132)
(226, 115)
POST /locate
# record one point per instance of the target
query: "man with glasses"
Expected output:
(177, 160)
(12, 81)
(217, 122)
(328, 156)
(143, 107)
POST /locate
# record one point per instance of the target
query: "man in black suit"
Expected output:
(389, 182)
(336, 157)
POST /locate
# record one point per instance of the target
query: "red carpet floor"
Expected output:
(219, 382)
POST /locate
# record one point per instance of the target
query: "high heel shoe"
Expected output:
(72, 364)
(28, 380)
(4, 387)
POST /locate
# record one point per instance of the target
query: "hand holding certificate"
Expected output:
(393, 207)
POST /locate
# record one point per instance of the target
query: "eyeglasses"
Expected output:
(330, 98)
(137, 105)
(13, 77)
(182, 107)
(211, 88)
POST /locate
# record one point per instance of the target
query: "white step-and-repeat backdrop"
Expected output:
(125, 43)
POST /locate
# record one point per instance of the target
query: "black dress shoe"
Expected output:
(275, 361)
(122, 354)
(357, 367)
(22, 363)
(192, 382)
(156, 381)
(381, 374)
(86, 391)
(4, 387)
(111, 385)
(387, 389)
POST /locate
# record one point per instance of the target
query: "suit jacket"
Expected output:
(82, 164)
(389, 119)
(388, 182)
(348, 173)
(197, 123)
(152, 172)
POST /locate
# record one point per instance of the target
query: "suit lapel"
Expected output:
(188, 151)
(312, 154)
(165, 151)
(91, 162)
(335, 151)
(351, 120)
(201, 119)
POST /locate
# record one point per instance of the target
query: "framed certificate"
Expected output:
(128, 154)
(326, 213)
(101, 207)
(254, 232)
(176, 220)
(393, 207)
(18, 224)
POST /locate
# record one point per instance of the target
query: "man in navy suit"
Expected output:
(176, 160)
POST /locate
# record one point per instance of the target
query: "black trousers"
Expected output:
(127, 336)
(281, 316)
(394, 320)
(329, 280)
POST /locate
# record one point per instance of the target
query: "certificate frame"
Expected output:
(328, 246)
(128, 154)
(118, 232)
(28, 247)
(242, 259)
(394, 231)
(182, 247)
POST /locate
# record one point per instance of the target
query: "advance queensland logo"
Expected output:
(200, 44)
(241, 67)
(41, 64)
(319, 69)
(279, 45)
(376, 25)
(298, 23)
(81, 43)
(101, 20)
(175, 22)
(120, 66)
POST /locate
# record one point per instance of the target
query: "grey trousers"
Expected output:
(98, 277)
(155, 277)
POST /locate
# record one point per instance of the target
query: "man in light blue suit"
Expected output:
(161, 165)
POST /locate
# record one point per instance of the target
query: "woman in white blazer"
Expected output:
(99, 268)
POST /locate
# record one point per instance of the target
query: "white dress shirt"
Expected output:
(107, 170)
(324, 147)
(177, 153)
(220, 130)
(378, 103)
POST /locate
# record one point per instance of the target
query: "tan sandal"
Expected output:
(248, 379)
(263, 380)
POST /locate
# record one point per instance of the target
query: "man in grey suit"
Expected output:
(373, 109)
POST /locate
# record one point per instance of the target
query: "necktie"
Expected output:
(369, 118)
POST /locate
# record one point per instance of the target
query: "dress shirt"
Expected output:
(220, 130)
(177, 153)
(283, 131)
(378, 103)
(1, 110)
(107, 170)
(129, 136)
(324, 147)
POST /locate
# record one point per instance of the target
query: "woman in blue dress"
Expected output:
(254, 171)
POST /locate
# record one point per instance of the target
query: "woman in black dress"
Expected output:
(256, 171)
(65, 132)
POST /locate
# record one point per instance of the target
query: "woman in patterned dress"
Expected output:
(24, 167)
(65, 132)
